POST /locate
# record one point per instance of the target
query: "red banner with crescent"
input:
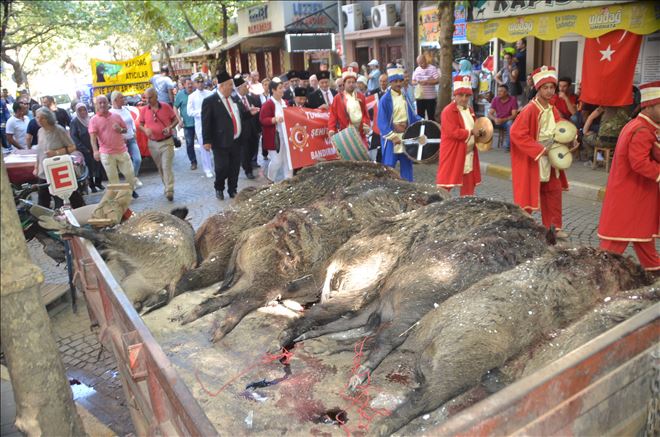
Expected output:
(307, 136)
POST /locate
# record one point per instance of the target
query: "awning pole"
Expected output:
(341, 33)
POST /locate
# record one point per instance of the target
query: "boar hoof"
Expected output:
(358, 379)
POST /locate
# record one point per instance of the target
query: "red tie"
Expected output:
(233, 119)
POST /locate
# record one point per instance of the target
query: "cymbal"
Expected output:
(486, 126)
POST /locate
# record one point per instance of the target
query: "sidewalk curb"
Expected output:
(577, 189)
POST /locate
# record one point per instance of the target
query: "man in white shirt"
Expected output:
(16, 127)
(194, 109)
(163, 85)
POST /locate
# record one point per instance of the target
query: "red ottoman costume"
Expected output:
(529, 192)
(457, 145)
(631, 209)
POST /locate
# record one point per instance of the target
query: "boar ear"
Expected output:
(182, 213)
(551, 235)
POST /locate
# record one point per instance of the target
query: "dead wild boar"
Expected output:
(216, 237)
(387, 277)
(502, 315)
(147, 254)
(285, 258)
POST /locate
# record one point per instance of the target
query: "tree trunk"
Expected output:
(43, 396)
(446, 12)
(225, 19)
(166, 52)
(19, 75)
(190, 26)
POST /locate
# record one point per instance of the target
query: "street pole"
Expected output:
(44, 402)
(342, 33)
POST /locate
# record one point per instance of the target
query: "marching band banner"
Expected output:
(307, 137)
(130, 76)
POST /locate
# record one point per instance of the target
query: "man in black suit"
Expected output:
(222, 123)
(251, 127)
(294, 81)
(322, 97)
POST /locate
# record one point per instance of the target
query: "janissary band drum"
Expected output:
(349, 144)
(421, 141)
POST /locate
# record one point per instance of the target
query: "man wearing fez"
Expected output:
(395, 114)
(322, 98)
(349, 108)
(222, 124)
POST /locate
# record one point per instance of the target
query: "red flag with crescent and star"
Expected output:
(609, 67)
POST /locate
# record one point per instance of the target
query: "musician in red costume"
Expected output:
(459, 160)
(349, 107)
(536, 184)
(631, 209)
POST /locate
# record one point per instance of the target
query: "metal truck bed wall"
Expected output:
(159, 401)
(600, 388)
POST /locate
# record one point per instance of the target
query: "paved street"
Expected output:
(81, 352)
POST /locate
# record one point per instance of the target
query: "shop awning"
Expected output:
(637, 17)
(216, 47)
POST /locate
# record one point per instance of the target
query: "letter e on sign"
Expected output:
(60, 175)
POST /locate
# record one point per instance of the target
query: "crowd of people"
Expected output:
(238, 122)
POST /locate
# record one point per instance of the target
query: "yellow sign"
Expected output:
(638, 17)
(429, 25)
(109, 73)
(128, 89)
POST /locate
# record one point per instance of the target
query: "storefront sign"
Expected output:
(307, 136)
(639, 18)
(429, 25)
(274, 16)
(487, 10)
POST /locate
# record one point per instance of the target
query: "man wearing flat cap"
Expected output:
(300, 97)
(293, 77)
(250, 135)
(222, 124)
(322, 98)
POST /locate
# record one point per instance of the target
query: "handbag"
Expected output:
(277, 140)
(418, 92)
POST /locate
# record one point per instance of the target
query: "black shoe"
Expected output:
(93, 189)
(255, 165)
(170, 196)
(219, 195)
(135, 195)
(249, 176)
(232, 194)
(100, 187)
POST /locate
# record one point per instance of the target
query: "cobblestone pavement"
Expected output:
(82, 355)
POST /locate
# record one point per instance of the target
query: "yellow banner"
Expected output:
(128, 89)
(639, 18)
(107, 73)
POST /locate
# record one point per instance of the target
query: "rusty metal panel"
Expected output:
(149, 379)
(570, 395)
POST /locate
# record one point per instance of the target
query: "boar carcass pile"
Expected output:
(389, 276)
(216, 237)
(501, 316)
(147, 254)
(286, 257)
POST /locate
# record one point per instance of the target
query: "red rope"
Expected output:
(284, 357)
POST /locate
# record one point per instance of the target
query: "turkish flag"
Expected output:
(609, 67)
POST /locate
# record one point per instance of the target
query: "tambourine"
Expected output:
(421, 141)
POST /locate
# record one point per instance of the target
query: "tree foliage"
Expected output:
(34, 31)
